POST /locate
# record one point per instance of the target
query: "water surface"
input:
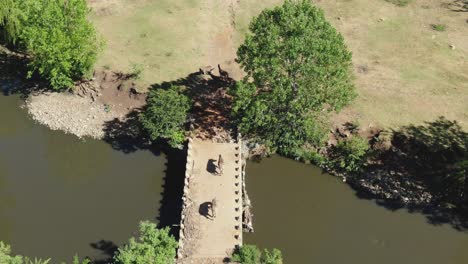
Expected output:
(59, 194)
(315, 218)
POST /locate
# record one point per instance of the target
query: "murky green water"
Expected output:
(315, 218)
(59, 194)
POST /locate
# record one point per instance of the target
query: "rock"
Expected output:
(381, 19)
(452, 46)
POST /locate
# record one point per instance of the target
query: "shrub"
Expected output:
(165, 115)
(439, 27)
(6, 258)
(247, 254)
(136, 72)
(349, 155)
(153, 246)
(250, 254)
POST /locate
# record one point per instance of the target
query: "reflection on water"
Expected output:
(59, 194)
(315, 218)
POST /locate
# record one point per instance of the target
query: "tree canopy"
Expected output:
(166, 114)
(153, 246)
(62, 43)
(298, 69)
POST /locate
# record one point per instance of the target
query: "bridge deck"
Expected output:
(204, 237)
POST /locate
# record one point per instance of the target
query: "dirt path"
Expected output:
(221, 41)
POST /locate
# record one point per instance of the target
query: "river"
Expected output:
(60, 195)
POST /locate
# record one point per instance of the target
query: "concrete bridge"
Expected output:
(203, 238)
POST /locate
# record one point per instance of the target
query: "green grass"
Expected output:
(413, 75)
(439, 27)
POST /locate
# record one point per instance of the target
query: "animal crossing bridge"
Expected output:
(211, 222)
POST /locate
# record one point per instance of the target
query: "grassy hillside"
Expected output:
(406, 71)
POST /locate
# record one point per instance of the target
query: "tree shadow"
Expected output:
(211, 102)
(431, 158)
(108, 249)
(457, 6)
(13, 72)
(171, 203)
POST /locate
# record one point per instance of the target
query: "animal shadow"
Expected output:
(211, 166)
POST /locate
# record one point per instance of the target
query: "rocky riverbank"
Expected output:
(392, 186)
(89, 109)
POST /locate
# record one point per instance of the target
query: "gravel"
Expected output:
(71, 113)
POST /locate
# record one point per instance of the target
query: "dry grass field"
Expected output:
(405, 71)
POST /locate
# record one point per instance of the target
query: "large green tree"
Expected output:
(298, 69)
(62, 43)
(165, 115)
(153, 246)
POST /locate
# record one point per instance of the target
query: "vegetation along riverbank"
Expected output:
(299, 85)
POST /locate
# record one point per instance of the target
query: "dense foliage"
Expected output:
(349, 155)
(153, 246)
(10, 20)
(250, 254)
(438, 151)
(62, 43)
(166, 114)
(6, 258)
(298, 69)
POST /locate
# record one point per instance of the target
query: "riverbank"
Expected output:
(86, 111)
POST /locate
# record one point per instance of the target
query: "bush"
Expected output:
(439, 27)
(165, 115)
(250, 254)
(153, 246)
(62, 43)
(6, 258)
(349, 155)
(400, 2)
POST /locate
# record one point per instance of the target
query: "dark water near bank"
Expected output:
(315, 218)
(59, 194)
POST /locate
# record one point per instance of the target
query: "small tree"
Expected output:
(298, 69)
(165, 115)
(250, 254)
(153, 246)
(273, 257)
(247, 254)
